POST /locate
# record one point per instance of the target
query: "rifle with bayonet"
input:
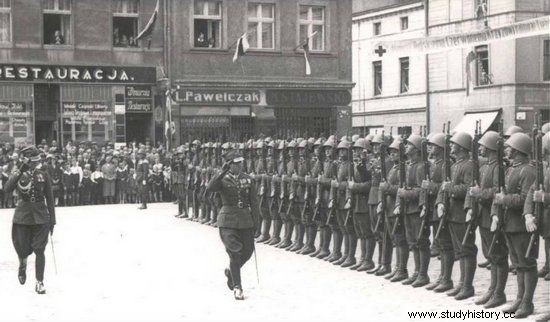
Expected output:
(447, 178)
(539, 185)
(402, 185)
(500, 211)
(470, 229)
(428, 177)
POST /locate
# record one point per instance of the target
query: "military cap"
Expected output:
(234, 156)
(520, 142)
(31, 152)
(179, 150)
(141, 152)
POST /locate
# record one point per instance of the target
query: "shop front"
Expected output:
(75, 103)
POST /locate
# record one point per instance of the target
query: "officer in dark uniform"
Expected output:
(177, 179)
(237, 218)
(142, 176)
(34, 215)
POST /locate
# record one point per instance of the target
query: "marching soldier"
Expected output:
(238, 216)
(417, 240)
(456, 188)
(314, 186)
(519, 178)
(142, 176)
(359, 188)
(34, 214)
(483, 194)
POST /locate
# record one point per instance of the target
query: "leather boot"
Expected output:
(39, 288)
(435, 284)
(423, 279)
(336, 247)
(527, 307)
(379, 266)
(367, 263)
(467, 289)
(545, 270)
(321, 242)
(309, 247)
(299, 238)
(446, 283)
(458, 287)
(265, 231)
(514, 306)
(345, 253)
(296, 232)
(397, 266)
(285, 236)
(275, 239)
(499, 297)
(325, 252)
(288, 238)
(351, 261)
(402, 274)
(492, 285)
(22, 272)
(414, 276)
(307, 236)
(363, 250)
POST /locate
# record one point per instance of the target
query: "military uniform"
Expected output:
(237, 219)
(260, 179)
(297, 192)
(327, 205)
(314, 194)
(345, 228)
(142, 176)
(272, 189)
(34, 215)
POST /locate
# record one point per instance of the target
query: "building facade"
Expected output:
(266, 91)
(72, 70)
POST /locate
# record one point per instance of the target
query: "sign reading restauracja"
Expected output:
(90, 74)
(188, 96)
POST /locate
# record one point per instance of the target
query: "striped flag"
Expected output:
(170, 126)
(242, 47)
(305, 47)
(471, 57)
(150, 26)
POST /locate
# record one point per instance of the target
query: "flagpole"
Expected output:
(304, 42)
(247, 32)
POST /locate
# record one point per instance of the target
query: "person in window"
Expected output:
(212, 42)
(133, 42)
(201, 40)
(58, 38)
(124, 41)
(116, 37)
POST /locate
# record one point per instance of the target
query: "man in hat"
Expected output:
(237, 218)
(142, 174)
(34, 215)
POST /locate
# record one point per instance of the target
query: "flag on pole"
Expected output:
(242, 47)
(150, 26)
(170, 126)
(471, 57)
(305, 47)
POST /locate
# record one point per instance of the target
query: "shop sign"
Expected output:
(86, 113)
(86, 74)
(187, 96)
(138, 92)
(15, 119)
(310, 98)
(139, 106)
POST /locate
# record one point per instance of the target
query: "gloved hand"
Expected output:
(396, 211)
(379, 208)
(530, 223)
(494, 224)
(423, 212)
(469, 215)
(440, 210)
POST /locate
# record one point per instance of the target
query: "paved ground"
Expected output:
(117, 263)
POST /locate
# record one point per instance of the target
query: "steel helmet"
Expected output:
(463, 139)
(303, 144)
(345, 138)
(196, 142)
(490, 140)
(273, 144)
(320, 141)
(520, 142)
(369, 137)
(378, 138)
(311, 141)
(395, 144)
(330, 142)
(260, 144)
(355, 137)
(512, 130)
(292, 144)
(415, 140)
(362, 144)
(282, 145)
(226, 146)
(545, 128)
(343, 145)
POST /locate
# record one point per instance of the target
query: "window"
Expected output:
(312, 22)
(377, 70)
(125, 23)
(261, 23)
(377, 28)
(5, 21)
(546, 5)
(404, 23)
(404, 67)
(481, 8)
(482, 67)
(546, 60)
(57, 22)
(208, 24)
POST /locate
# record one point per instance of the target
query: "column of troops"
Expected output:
(420, 196)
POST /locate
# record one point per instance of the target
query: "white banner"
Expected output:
(526, 28)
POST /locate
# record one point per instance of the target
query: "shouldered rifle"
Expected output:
(447, 175)
(402, 184)
(283, 186)
(273, 185)
(332, 203)
(306, 185)
(427, 176)
(501, 187)
(383, 175)
(349, 194)
(539, 184)
(318, 192)
(470, 229)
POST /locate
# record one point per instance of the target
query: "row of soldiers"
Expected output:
(396, 194)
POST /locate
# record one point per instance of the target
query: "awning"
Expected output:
(468, 122)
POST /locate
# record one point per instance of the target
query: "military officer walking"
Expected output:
(237, 218)
(34, 214)
(142, 175)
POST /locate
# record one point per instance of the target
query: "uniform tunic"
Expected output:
(529, 208)
(360, 197)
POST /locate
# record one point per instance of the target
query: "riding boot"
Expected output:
(259, 226)
(402, 273)
(325, 252)
(423, 278)
(458, 287)
(362, 257)
(370, 250)
(265, 231)
(414, 276)
(514, 306)
(467, 290)
(367, 263)
(446, 284)
(321, 242)
(288, 242)
(499, 297)
(492, 285)
(545, 270)
(299, 244)
(527, 307)
(287, 239)
(275, 238)
(309, 247)
(22, 272)
(336, 246)
(345, 253)
(352, 248)
(434, 284)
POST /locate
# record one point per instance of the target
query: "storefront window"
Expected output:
(5, 21)
(16, 123)
(87, 122)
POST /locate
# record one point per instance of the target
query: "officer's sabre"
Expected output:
(53, 254)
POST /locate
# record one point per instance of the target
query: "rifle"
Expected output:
(282, 186)
(402, 184)
(447, 174)
(427, 176)
(318, 192)
(292, 191)
(501, 187)
(263, 179)
(307, 192)
(333, 199)
(383, 175)
(470, 229)
(539, 183)
(349, 194)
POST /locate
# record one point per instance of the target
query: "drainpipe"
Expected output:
(426, 34)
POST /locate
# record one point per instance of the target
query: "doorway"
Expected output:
(46, 102)
(138, 128)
